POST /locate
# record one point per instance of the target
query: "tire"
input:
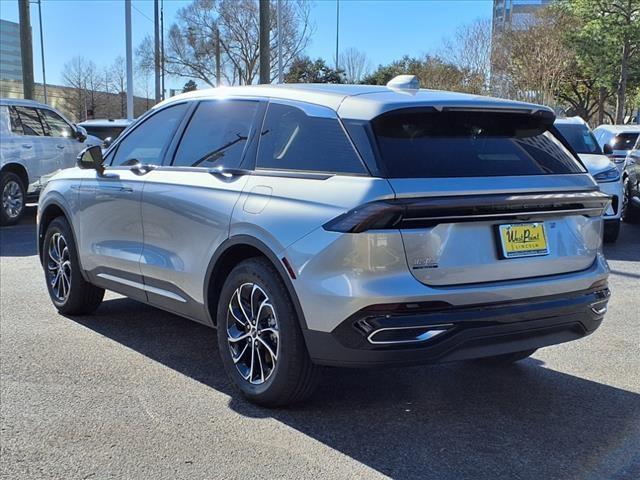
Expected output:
(504, 359)
(611, 230)
(69, 291)
(630, 213)
(282, 374)
(12, 198)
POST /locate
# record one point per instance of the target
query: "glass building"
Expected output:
(10, 59)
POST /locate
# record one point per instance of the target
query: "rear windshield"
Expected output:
(104, 132)
(579, 137)
(429, 144)
(624, 141)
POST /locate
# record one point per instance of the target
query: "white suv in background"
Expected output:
(36, 141)
(579, 136)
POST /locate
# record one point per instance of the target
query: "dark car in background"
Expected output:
(107, 129)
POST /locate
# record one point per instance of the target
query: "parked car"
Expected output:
(616, 141)
(107, 130)
(580, 138)
(336, 225)
(36, 141)
(631, 182)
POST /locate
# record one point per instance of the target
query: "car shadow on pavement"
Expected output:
(627, 248)
(20, 240)
(449, 421)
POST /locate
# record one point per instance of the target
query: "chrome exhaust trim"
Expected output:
(423, 333)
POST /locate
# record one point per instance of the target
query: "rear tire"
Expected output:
(12, 198)
(259, 337)
(630, 213)
(504, 359)
(69, 291)
(611, 230)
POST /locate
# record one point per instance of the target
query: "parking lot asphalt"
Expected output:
(133, 392)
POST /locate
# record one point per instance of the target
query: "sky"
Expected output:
(384, 29)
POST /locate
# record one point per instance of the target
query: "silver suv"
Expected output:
(36, 141)
(336, 225)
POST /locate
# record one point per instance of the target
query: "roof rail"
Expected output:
(407, 82)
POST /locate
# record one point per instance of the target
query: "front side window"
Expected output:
(30, 121)
(579, 137)
(147, 142)
(57, 127)
(294, 140)
(429, 144)
(217, 134)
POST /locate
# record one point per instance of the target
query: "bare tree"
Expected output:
(117, 79)
(77, 74)
(355, 64)
(233, 25)
(470, 51)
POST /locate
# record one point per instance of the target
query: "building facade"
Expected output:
(517, 14)
(10, 54)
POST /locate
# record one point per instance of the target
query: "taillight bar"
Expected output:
(426, 212)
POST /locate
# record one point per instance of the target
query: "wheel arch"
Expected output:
(227, 256)
(47, 213)
(19, 170)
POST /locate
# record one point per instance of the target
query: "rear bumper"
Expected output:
(466, 332)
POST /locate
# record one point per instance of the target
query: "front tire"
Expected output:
(12, 198)
(611, 231)
(630, 213)
(259, 337)
(68, 290)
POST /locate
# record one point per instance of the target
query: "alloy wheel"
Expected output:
(252, 333)
(12, 199)
(59, 267)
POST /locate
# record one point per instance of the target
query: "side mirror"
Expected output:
(91, 158)
(607, 149)
(106, 142)
(81, 133)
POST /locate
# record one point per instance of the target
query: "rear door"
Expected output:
(110, 214)
(187, 203)
(487, 196)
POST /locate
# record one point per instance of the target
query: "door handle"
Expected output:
(61, 147)
(27, 145)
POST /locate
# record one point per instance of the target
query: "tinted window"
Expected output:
(14, 121)
(579, 137)
(104, 132)
(217, 134)
(624, 141)
(147, 142)
(30, 121)
(55, 125)
(469, 144)
(293, 140)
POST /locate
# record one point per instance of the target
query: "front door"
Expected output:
(111, 237)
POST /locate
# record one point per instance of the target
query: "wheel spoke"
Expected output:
(260, 364)
(233, 314)
(253, 356)
(274, 357)
(237, 358)
(244, 336)
(241, 306)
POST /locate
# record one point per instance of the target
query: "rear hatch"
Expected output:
(485, 196)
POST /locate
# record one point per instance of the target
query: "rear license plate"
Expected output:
(523, 240)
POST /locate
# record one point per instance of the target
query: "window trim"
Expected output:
(179, 136)
(311, 110)
(114, 147)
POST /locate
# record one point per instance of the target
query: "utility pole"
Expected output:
(156, 41)
(129, 54)
(265, 67)
(26, 49)
(162, 48)
(280, 75)
(217, 57)
(44, 74)
(337, 30)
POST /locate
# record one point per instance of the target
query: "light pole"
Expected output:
(44, 75)
(129, 54)
(337, 30)
(280, 76)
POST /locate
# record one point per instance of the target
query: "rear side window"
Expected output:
(624, 141)
(217, 134)
(579, 137)
(30, 121)
(14, 120)
(291, 139)
(429, 144)
(147, 142)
